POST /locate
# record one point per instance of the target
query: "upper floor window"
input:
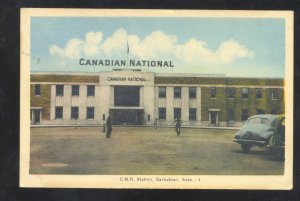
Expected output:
(162, 91)
(258, 93)
(91, 90)
(177, 92)
(245, 93)
(274, 94)
(75, 90)
(230, 92)
(192, 92)
(59, 90)
(213, 92)
(37, 89)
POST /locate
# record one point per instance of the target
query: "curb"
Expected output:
(137, 126)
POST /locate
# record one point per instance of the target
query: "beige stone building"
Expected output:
(134, 97)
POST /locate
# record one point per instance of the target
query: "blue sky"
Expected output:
(232, 46)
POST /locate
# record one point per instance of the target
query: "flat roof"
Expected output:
(155, 74)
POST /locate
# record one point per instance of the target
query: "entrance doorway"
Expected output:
(36, 116)
(214, 118)
(127, 116)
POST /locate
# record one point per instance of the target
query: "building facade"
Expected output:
(134, 97)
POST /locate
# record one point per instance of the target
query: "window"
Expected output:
(74, 112)
(230, 92)
(162, 92)
(230, 114)
(273, 94)
(213, 92)
(90, 90)
(245, 114)
(273, 111)
(162, 113)
(103, 117)
(258, 120)
(59, 112)
(192, 92)
(90, 113)
(37, 89)
(75, 90)
(59, 90)
(127, 96)
(258, 93)
(192, 114)
(245, 93)
(177, 113)
(260, 111)
(177, 92)
(148, 117)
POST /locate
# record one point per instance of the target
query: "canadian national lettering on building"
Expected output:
(134, 97)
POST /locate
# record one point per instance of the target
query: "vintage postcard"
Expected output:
(171, 99)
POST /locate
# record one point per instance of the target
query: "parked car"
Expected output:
(277, 141)
(257, 131)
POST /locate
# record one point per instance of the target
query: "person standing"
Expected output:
(178, 125)
(109, 127)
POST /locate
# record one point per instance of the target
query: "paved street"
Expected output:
(145, 151)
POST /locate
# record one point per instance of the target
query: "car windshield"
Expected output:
(258, 120)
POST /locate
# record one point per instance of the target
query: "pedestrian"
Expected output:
(109, 127)
(156, 123)
(178, 125)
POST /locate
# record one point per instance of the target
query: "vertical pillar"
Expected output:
(82, 101)
(155, 103)
(185, 105)
(170, 105)
(148, 102)
(52, 103)
(198, 106)
(67, 102)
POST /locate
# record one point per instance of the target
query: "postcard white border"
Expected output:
(284, 182)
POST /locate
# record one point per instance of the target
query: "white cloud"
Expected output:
(116, 43)
(231, 50)
(55, 50)
(92, 42)
(156, 45)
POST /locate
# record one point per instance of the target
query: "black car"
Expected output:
(277, 142)
(257, 131)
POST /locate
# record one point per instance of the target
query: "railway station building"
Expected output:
(135, 97)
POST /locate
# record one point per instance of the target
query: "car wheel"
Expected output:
(245, 148)
(280, 155)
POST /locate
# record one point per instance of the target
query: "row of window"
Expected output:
(60, 90)
(230, 92)
(162, 113)
(75, 90)
(245, 113)
(59, 112)
(162, 92)
(193, 113)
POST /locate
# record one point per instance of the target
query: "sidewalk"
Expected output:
(101, 126)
